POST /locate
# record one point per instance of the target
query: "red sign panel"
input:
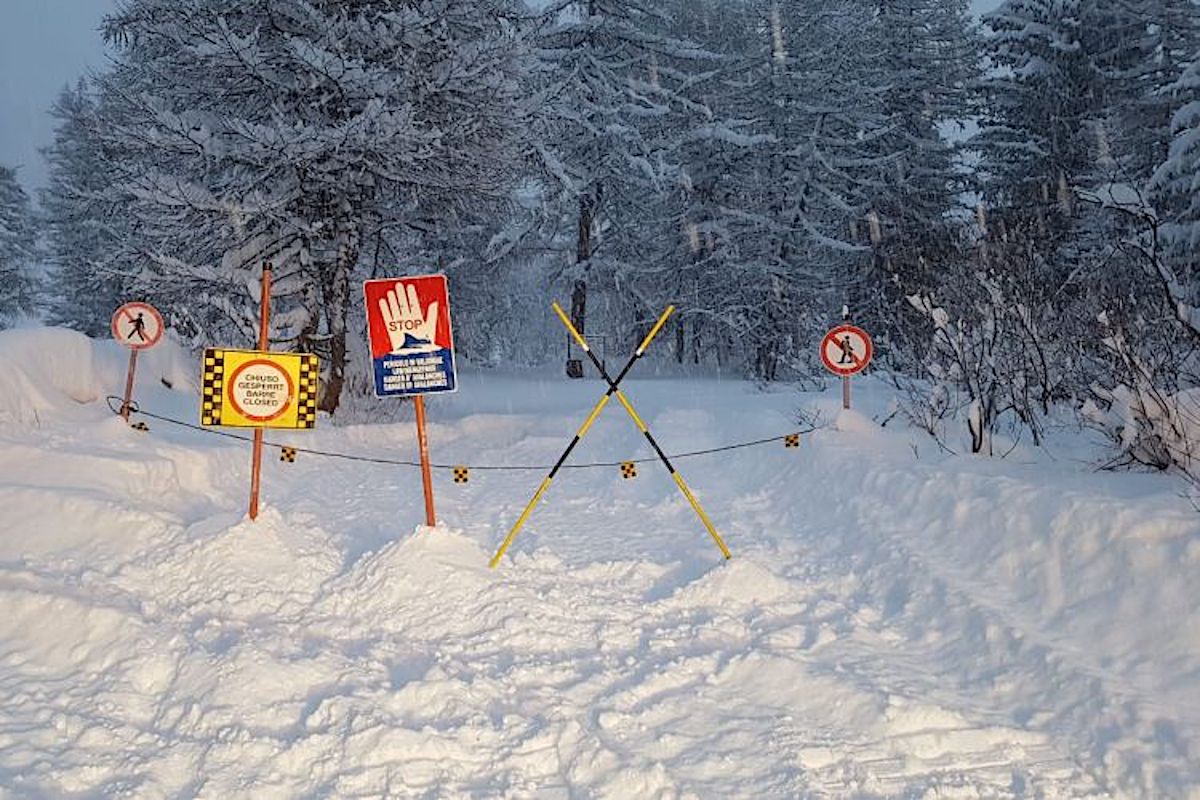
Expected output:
(846, 350)
(137, 325)
(408, 324)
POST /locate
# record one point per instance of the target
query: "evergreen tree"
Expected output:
(18, 242)
(291, 132)
(1039, 106)
(610, 83)
(1176, 186)
(84, 225)
(923, 60)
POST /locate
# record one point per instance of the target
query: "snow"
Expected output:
(895, 621)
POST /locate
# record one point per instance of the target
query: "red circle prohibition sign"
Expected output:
(846, 350)
(135, 314)
(232, 385)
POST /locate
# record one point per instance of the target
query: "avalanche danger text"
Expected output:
(420, 372)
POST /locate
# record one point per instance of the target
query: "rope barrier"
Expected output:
(117, 405)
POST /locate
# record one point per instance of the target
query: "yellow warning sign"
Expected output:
(253, 389)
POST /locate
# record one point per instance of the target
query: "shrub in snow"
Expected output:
(988, 359)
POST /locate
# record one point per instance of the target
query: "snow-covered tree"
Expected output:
(923, 60)
(609, 79)
(1039, 103)
(1176, 185)
(84, 223)
(1138, 47)
(18, 243)
(292, 131)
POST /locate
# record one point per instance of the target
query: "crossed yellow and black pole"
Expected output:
(587, 424)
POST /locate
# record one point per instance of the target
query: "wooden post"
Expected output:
(129, 384)
(426, 472)
(845, 378)
(263, 345)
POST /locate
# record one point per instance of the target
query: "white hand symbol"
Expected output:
(409, 330)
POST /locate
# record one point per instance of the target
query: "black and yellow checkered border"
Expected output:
(791, 440)
(462, 474)
(213, 385)
(628, 470)
(306, 392)
(287, 454)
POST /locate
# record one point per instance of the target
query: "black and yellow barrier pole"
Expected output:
(583, 429)
(637, 420)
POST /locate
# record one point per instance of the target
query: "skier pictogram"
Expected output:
(846, 350)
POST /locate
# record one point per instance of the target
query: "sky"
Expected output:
(46, 45)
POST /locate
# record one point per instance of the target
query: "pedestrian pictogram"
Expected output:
(253, 389)
(791, 440)
(628, 470)
(846, 350)
(461, 474)
(137, 325)
(287, 454)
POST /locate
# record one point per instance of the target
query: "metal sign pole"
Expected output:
(129, 385)
(426, 472)
(263, 344)
(846, 378)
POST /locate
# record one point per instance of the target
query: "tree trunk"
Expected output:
(583, 253)
(337, 311)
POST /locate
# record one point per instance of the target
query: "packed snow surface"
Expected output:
(896, 621)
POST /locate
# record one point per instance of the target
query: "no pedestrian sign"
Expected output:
(252, 389)
(846, 350)
(408, 324)
(137, 325)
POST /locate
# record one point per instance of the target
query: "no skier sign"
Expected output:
(412, 348)
(846, 350)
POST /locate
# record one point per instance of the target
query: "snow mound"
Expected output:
(44, 370)
(737, 584)
(55, 370)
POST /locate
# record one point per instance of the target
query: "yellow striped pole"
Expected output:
(637, 420)
(583, 429)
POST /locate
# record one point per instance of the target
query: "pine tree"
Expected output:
(293, 131)
(924, 61)
(18, 243)
(1039, 106)
(1176, 187)
(84, 226)
(1139, 47)
(609, 85)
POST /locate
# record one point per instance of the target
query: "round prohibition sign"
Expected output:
(137, 325)
(272, 387)
(846, 350)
